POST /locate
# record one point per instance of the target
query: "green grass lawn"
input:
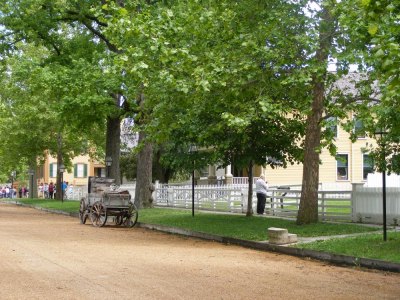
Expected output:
(240, 226)
(67, 206)
(368, 246)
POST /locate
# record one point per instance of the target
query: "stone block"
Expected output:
(278, 236)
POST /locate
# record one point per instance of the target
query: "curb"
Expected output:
(336, 259)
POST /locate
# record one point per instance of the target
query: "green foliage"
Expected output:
(128, 163)
(56, 81)
(218, 75)
(383, 45)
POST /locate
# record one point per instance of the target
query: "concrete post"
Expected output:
(228, 175)
(212, 177)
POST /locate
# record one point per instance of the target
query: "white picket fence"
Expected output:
(74, 192)
(333, 205)
(361, 204)
(368, 204)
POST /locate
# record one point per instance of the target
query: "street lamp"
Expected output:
(192, 150)
(62, 170)
(31, 172)
(108, 165)
(379, 136)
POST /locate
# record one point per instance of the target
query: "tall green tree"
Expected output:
(208, 69)
(55, 23)
(381, 34)
(38, 95)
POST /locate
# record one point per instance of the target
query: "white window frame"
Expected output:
(337, 167)
(359, 137)
(53, 174)
(363, 166)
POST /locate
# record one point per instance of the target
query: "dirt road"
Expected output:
(49, 256)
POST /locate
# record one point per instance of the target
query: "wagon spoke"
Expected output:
(98, 214)
(131, 217)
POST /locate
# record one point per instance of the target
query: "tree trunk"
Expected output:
(308, 210)
(144, 186)
(144, 173)
(113, 146)
(249, 212)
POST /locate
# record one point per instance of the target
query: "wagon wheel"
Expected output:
(82, 212)
(131, 216)
(98, 214)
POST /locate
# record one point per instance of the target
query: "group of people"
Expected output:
(45, 190)
(48, 191)
(11, 192)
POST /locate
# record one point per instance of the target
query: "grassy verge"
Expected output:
(67, 206)
(368, 246)
(240, 226)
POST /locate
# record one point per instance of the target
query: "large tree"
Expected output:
(216, 75)
(54, 24)
(43, 104)
(381, 34)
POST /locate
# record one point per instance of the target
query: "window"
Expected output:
(359, 130)
(203, 172)
(53, 170)
(331, 125)
(342, 166)
(100, 172)
(80, 170)
(368, 166)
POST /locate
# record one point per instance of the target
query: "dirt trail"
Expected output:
(49, 256)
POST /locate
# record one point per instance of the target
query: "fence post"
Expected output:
(244, 193)
(273, 197)
(170, 198)
(322, 205)
(354, 203)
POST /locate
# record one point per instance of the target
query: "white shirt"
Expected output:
(261, 187)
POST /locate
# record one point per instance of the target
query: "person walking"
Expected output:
(46, 190)
(261, 191)
(51, 190)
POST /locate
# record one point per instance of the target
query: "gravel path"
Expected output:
(49, 256)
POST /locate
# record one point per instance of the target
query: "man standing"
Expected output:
(261, 190)
(64, 187)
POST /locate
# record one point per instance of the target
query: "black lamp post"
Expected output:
(31, 172)
(379, 135)
(192, 150)
(62, 170)
(108, 165)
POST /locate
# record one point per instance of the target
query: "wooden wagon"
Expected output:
(105, 199)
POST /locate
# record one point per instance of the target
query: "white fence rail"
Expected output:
(333, 205)
(358, 205)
